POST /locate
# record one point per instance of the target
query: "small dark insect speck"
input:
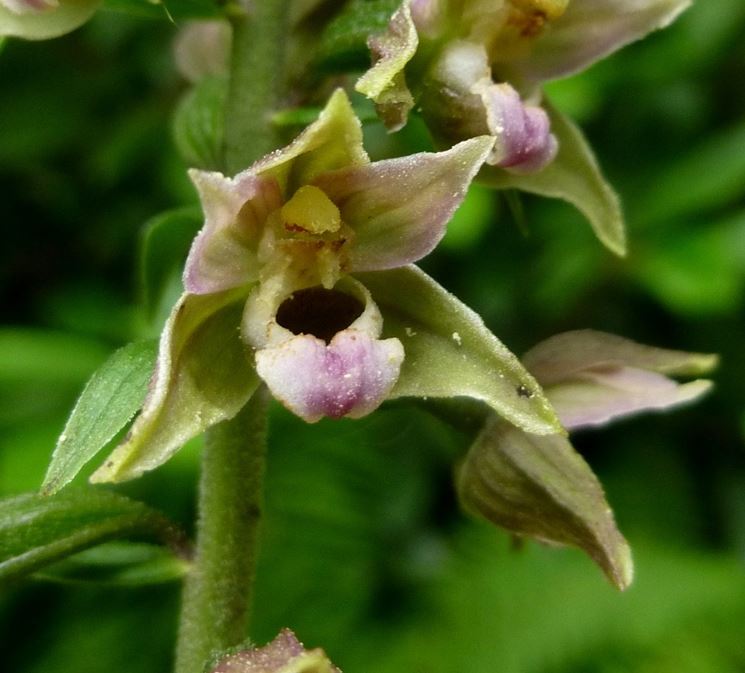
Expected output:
(522, 391)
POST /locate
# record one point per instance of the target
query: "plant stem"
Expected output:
(217, 593)
(256, 83)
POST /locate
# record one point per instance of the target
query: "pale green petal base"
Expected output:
(203, 376)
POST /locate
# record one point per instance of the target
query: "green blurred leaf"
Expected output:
(165, 243)
(35, 355)
(147, 9)
(343, 43)
(709, 176)
(573, 176)
(119, 564)
(37, 530)
(194, 9)
(109, 401)
(171, 10)
(541, 487)
(698, 271)
(449, 352)
(199, 125)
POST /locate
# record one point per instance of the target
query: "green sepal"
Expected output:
(449, 352)
(203, 376)
(540, 487)
(574, 176)
(199, 123)
(36, 530)
(110, 399)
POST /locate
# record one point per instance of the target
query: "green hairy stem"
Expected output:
(217, 593)
(256, 83)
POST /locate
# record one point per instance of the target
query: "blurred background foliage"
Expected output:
(365, 550)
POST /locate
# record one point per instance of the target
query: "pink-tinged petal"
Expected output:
(564, 356)
(29, 6)
(350, 376)
(591, 377)
(524, 143)
(285, 654)
(331, 142)
(399, 208)
(590, 30)
(598, 396)
(385, 82)
(203, 375)
(43, 19)
(223, 255)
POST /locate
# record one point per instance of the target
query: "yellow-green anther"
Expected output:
(311, 210)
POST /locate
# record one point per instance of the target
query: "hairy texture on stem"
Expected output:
(256, 83)
(217, 594)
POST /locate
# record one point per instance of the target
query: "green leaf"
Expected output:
(541, 487)
(37, 530)
(574, 176)
(199, 124)
(449, 352)
(109, 401)
(165, 243)
(204, 375)
(118, 564)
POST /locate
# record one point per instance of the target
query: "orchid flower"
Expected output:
(302, 278)
(477, 66)
(285, 654)
(540, 486)
(42, 19)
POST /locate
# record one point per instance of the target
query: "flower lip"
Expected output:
(319, 312)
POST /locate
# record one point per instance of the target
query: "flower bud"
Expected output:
(285, 654)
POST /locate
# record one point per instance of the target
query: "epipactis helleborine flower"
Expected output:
(302, 278)
(541, 487)
(477, 68)
(285, 654)
(42, 19)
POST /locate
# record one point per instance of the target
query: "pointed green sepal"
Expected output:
(449, 352)
(574, 176)
(203, 376)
